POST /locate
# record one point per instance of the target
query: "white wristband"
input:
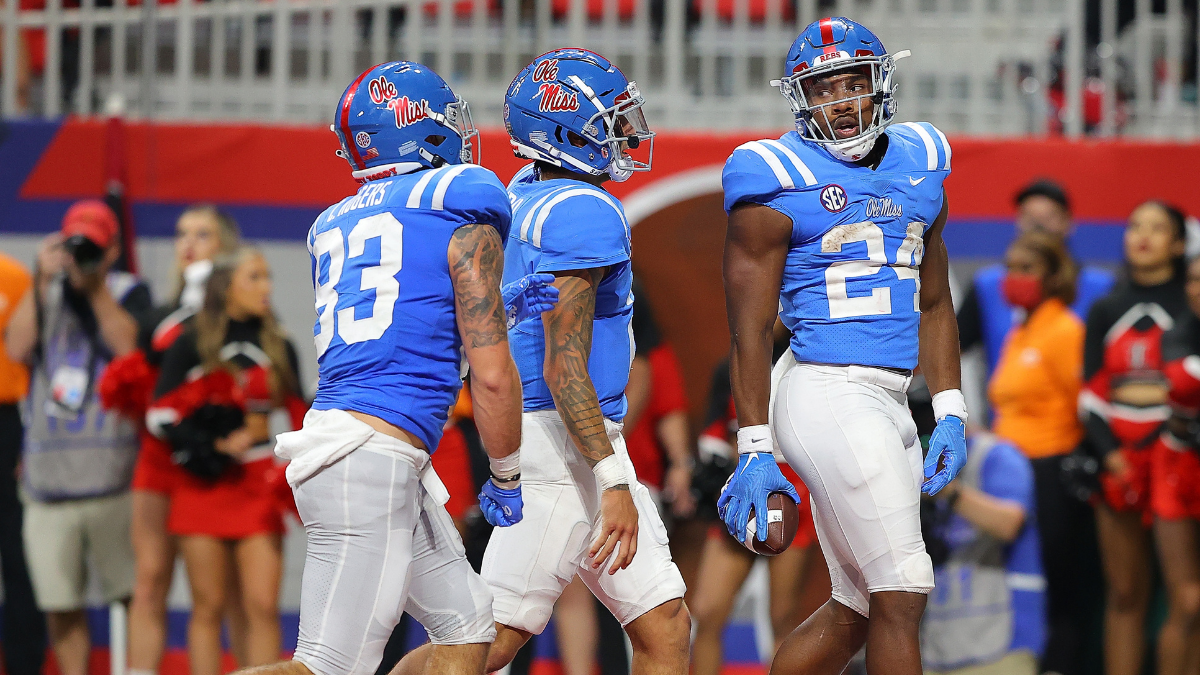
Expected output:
(610, 472)
(506, 467)
(757, 438)
(949, 402)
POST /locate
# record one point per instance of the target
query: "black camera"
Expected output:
(87, 254)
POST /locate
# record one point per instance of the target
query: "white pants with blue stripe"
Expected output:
(380, 545)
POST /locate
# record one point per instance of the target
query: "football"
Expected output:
(783, 519)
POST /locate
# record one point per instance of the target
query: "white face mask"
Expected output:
(854, 149)
(195, 276)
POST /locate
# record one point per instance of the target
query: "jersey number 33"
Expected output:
(347, 253)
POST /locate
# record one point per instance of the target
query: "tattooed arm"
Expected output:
(568, 328)
(476, 258)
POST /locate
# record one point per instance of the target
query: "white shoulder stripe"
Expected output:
(414, 197)
(781, 174)
(439, 192)
(809, 178)
(524, 236)
(945, 147)
(931, 153)
(563, 196)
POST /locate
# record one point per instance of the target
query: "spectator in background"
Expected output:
(1123, 406)
(986, 315)
(726, 564)
(1035, 392)
(987, 609)
(202, 232)
(1175, 495)
(227, 511)
(78, 460)
(25, 630)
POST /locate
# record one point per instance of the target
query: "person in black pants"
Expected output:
(24, 627)
(24, 636)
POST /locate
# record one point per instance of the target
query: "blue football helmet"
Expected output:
(399, 117)
(574, 109)
(827, 47)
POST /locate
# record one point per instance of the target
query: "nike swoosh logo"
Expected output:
(916, 181)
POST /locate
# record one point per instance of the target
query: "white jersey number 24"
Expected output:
(381, 278)
(879, 302)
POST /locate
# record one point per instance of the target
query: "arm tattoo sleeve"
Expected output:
(476, 260)
(568, 345)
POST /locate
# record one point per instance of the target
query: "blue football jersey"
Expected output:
(560, 225)
(851, 285)
(386, 335)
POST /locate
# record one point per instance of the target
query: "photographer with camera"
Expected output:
(78, 459)
(986, 614)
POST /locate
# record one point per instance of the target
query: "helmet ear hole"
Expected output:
(435, 139)
(575, 139)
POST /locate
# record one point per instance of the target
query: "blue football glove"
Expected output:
(501, 507)
(756, 476)
(948, 444)
(528, 297)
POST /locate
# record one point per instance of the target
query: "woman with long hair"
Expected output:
(1175, 492)
(202, 232)
(1034, 391)
(1123, 405)
(220, 381)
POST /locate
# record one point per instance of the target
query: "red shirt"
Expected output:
(666, 397)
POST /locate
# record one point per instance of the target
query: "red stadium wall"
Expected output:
(296, 167)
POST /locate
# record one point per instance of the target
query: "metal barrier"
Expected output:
(978, 67)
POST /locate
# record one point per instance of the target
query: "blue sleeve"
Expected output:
(583, 231)
(1007, 474)
(477, 196)
(747, 178)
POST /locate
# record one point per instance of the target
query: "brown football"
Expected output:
(783, 519)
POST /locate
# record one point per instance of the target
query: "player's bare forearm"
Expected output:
(756, 246)
(476, 258)
(568, 329)
(939, 355)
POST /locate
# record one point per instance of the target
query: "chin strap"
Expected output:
(385, 171)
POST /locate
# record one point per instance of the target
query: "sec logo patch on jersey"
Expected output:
(833, 198)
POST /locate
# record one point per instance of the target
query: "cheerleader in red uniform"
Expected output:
(220, 381)
(1124, 404)
(202, 232)
(1175, 491)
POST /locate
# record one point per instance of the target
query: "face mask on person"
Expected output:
(1022, 290)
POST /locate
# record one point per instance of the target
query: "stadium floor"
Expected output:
(741, 653)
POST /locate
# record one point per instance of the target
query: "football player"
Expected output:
(407, 277)
(575, 115)
(837, 226)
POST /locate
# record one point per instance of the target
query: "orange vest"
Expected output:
(14, 284)
(1035, 387)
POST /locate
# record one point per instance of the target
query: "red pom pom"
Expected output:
(127, 385)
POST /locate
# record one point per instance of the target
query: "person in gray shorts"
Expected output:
(78, 458)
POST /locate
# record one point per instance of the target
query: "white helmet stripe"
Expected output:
(587, 91)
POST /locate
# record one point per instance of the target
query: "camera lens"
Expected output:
(87, 253)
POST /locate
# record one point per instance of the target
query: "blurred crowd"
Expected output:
(134, 434)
